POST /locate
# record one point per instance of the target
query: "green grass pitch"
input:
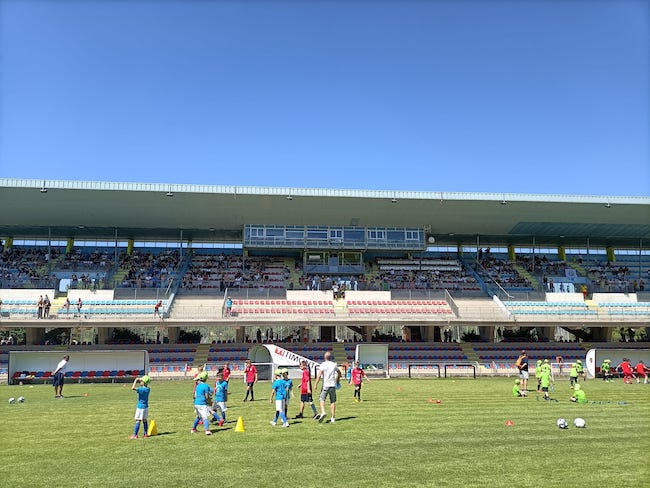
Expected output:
(399, 436)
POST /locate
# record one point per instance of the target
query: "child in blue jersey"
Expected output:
(220, 399)
(142, 409)
(289, 383)
(279, 390)
(202, 403)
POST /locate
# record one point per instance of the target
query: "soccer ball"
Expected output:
(579, 423)
(12, 400)
(562, 423)
(21, 399)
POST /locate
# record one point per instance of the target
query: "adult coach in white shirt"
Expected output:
(59, 376)
(330, 374)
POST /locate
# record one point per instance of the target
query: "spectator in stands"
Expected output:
(250, 377)
(79, 305)
(46, 307)
(522, 366)
(228, 306)
(59, 376)
(39, 305)
(156, 308)
(202, 403)
(306, 391)
(330, 374)
(66, 305)
(142, 408)
(356, 379)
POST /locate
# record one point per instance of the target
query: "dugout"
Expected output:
(269, 357)
(596, 356)
(33, 366)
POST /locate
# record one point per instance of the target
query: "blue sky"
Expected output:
(506, 96)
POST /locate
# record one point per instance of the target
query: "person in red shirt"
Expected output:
(356, 378)
(226, 372)
(250, 377)
(306, 391)
(628, 372)
(641, 372)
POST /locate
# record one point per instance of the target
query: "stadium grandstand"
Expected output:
(195, 274)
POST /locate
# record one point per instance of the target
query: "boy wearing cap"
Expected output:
(606, 369)
(579, 395)
(576, 370)
(202, 402)
(142, 409)
(279, 391)
(545, 381)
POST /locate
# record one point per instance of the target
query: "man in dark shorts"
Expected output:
(59, 376)
(250, 377)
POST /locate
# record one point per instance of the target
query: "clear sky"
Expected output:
(520, 96)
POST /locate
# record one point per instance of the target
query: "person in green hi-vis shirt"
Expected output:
(579, 395)
(516, 392)
(606, 369)
(576, 370)
(538, 374)
(545, 380)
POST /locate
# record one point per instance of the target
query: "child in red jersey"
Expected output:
(356, 378)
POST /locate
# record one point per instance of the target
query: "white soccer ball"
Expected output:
(579, 423)
(21, 399)
(562, 423)
(12, 400)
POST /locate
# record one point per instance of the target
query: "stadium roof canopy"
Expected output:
(37, 209)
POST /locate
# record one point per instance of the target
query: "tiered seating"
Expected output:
(438, 308)
(112, 307)
(271, 308)
(314, 352)
(508, 352)
(171, 354)
(571, 308)
(401, 355)
(425, 273)
(626, 308)
(223, 271)
(228, 353)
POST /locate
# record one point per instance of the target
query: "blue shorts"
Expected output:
(58, 380)
(306, 398)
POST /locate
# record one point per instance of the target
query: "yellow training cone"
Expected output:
(240, 425)
(153, 429)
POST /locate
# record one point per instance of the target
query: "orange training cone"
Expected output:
(509, 423)
(240, 425)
